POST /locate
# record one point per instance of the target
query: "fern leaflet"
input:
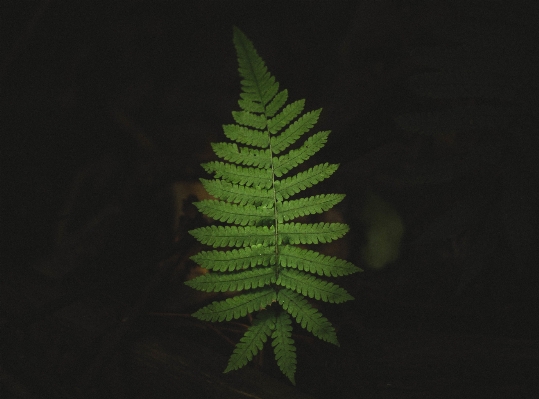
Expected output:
(253, 340)
(283, 346)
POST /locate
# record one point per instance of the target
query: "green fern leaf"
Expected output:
(294, 184)
(312, 286)
(294, 132)
(287, 115)
(315, 233)
(233, 213)
(309, 318)
(251, 106)
(233, 236)
(259, 178)
(283, 346)
(258, 84)
(273, 276)
(238, 306)
(243, 155)
(275, 105)
(222, 282)
(253, 341)
(236, 259)
(288, 210)
(315, 262)
(244, 135)
(249, 119)
(237, 193)
(294, 158)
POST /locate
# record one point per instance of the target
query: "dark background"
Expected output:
(105, 106)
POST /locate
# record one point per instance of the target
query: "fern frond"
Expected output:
(234, 236)
(244, 135)
(237, 193)
(311, 233)
(236, 259)
(283, 346)
(238, 214)
(294, 184)
(312, 286)
(252, 186)
(288, 210)
(243, 155)
(315, 262)
(287, 162)
(238, 306)
(259, 178)
(252, 341)
(309, 318)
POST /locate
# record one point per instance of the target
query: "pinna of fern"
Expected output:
(259, 258)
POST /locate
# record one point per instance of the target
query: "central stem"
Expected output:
(275, 211)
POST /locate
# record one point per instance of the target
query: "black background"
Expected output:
(133, 92)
